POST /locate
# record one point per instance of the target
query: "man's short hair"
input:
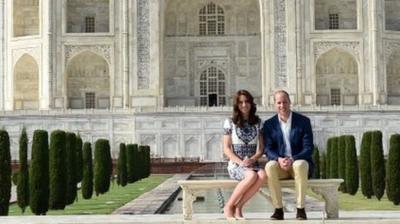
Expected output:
(283, 92)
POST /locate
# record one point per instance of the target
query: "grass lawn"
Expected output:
(105, 203)
(360, 202)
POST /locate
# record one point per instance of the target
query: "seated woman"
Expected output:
(243, 145)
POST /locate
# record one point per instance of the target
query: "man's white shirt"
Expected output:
(286, 127)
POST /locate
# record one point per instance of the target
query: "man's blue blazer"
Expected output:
(301, 139)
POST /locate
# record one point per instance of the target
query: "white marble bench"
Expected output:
(327, 188)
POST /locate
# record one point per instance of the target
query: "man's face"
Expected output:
(282, 104)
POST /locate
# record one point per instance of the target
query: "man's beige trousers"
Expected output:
(299, 172)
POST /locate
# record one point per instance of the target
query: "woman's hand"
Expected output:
(247, 162)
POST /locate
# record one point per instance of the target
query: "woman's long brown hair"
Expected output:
(237, 116)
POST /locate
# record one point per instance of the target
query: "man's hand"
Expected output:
(285, 162)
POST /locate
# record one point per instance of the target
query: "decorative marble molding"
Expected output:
(216, 62)
(143, 44)
(389, 48)
(32, 51)
(102, 50)
(280, 43)
(352, 47)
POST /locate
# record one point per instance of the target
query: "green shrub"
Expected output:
(393, 170)
(121, 166)
(328, 157)
(148, 161)
(102, 166)
(334, 158)
(316, 160)
(141, 161)
(5, 173)
(39, 173)
(323, 166)
(87, 180)
(351, 174)
(23, 176)
(79, 162)
(131, 150)
(70, 146)
(342, 162)
(58, 174)
(365, 165)
(377, 165)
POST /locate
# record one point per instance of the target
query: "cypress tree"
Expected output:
(58, 174)
(23, 177)
(323, 166)
(316, 160)
(87, 180)
(136, 163)
(5, 173)
(130, 160)
(328, 157)
(148, 161)
(377, 165)
(121, 167)
(334, 158)
(342, 162)
(70, 146)
(102, 166)
(365, 165)
(351, 165)
(393, 170)
(39, 173)
(79, 160)
(141, 161)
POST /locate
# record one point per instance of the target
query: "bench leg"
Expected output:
(330, 196)
(187, 203)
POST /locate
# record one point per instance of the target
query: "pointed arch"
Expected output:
(337, 78)
(26, 83)
(393, 78)
(88, 81)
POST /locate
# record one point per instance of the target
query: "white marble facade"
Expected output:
(141, 56)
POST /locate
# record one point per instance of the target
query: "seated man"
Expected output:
(288, 141)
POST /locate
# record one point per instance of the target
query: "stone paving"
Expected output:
(154, 201)
(143, 208)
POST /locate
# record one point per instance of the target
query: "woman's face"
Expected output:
(244, 105)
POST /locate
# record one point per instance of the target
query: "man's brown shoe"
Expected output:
(278, 214)
(301, 214)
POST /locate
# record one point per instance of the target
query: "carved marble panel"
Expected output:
(170, 146)
(143, 44)
(192, 146)
(102, 50)
(146, 124)
(214, 147)
(352, 47)
(191, 124)
(171, 124)
(280, 43)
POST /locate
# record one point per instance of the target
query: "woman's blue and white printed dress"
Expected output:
(244, 144)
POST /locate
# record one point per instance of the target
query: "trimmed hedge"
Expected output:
(121, 167)
(315, 156)
(131, 168)
(334, 158)
(393, 170)
(39, 173)
(5, 173)
(87, 180)
(102, 166)
(351, 175)
(365, 165)
(148, 161)
(58, 174)
(23, 176)
(328, 157)
(79, 160)
(342, 162)
(71, 167)
(323, 166)
(377, 165)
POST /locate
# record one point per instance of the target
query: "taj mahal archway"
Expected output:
(201, 35)
(88, 81)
